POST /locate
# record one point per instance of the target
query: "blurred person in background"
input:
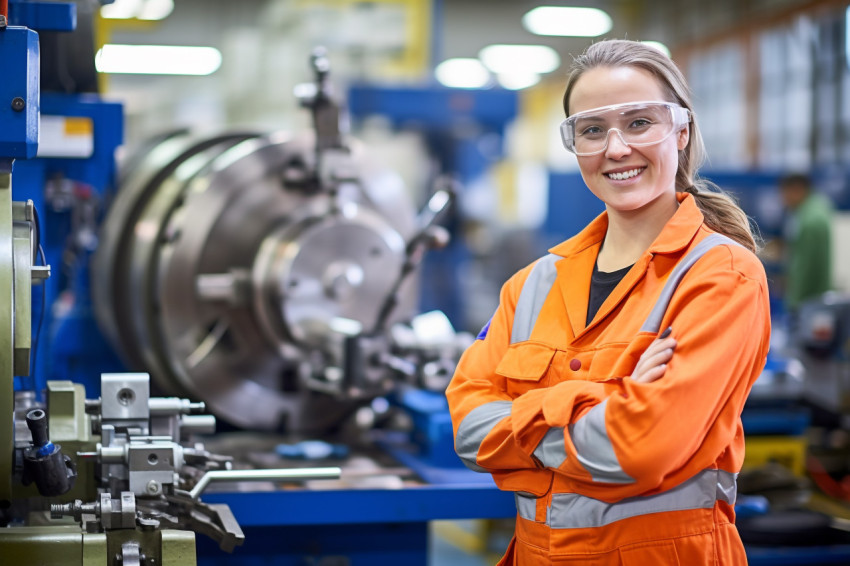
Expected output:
(807, 235)
(609, 402)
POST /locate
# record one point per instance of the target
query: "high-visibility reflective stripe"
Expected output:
(594, 449)
(526, 505)
(475, 428)
(574, 511)
(534, 292)
(653, 321)
(550, 451)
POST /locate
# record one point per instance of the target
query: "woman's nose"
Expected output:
(616, 146)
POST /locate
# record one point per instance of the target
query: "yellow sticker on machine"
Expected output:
(78, 126)
(65, 136)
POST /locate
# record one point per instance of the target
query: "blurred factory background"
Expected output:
(295, 214)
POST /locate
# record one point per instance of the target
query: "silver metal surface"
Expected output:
(124, 400)
(294, 474)
(131, 554)
(226, 282)
(118, 513)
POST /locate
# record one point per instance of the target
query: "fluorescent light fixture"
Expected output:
(520, 58)
(139, 9)
(565, 21)
(659, 46)
(156, 10)
(517, 80)
(462, 73)
(157, 59)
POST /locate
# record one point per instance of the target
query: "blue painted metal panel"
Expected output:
(436, 107)
(55, 16)
(70, 345)
(361, 506)
(571, 207)
(798, 556)
(388, 544)
(19, 69)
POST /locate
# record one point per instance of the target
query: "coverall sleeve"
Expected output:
(487, 428)
(645, 438)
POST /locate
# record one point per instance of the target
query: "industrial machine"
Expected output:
(267, 274)
(267, 278)
(821, 339)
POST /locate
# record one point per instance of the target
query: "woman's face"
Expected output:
(646, 174)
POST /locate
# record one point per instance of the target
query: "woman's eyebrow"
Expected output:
(589, 118)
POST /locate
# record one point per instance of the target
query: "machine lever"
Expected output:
(278, 474)
(430, 235)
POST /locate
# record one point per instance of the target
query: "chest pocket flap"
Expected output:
(526, 361)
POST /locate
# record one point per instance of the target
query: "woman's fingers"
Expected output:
(653, 362)
(653, 367)
(653, 374)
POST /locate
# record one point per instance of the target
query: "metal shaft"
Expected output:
(278, 474)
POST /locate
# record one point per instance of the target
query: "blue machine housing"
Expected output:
(55, 16)
(68, 344)
(19, 69)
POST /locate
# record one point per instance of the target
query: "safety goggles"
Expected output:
(637, 123)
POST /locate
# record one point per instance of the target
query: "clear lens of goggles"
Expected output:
(637, 123)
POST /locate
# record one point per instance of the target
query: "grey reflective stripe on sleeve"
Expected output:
(653, 321)
(475, 428)
(551, 451)
(534, 292)
(594, 449)
(574, 511)
(526, 506)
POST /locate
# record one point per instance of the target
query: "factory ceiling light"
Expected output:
(157, 59)
(520, 58)
(139, 9)
(517, 81)
(566, 21)
(462, 73)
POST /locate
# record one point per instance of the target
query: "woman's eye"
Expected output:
(592, 131)
(640, 123)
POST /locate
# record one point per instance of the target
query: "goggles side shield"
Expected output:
(637, 123)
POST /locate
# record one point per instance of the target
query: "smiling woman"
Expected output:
(601, 392)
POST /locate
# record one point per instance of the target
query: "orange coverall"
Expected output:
(607, 471)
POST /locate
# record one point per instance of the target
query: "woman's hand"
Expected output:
(653, 362)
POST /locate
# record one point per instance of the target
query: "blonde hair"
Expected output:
(721, 211)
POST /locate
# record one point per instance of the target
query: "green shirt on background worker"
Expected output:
(808, 239)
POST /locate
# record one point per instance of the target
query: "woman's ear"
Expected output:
(683, 137)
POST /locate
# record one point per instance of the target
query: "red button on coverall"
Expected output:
(665, 439)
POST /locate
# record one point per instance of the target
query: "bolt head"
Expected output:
(18, 104)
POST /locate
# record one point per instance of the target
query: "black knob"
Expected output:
(37, 423)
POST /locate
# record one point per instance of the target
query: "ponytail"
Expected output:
(722, 214)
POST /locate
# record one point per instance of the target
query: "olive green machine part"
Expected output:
(68, 546)
(16, 277)
(7, 312)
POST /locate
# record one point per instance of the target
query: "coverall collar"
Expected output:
(676, 235)
(582, 249)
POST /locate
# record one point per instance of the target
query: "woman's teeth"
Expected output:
(624, 175)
